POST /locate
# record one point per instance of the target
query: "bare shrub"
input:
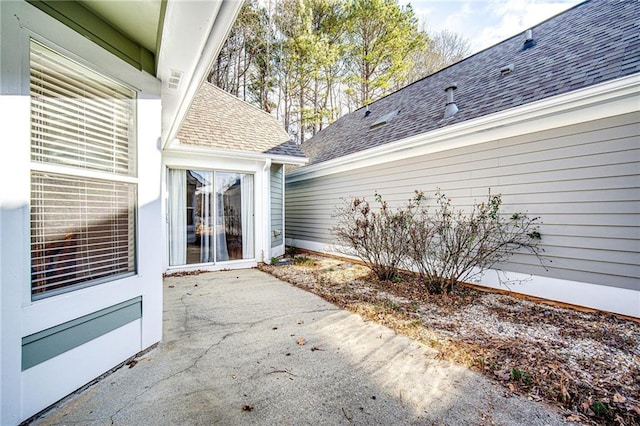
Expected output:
(379, 237)
(450, 246)
(445, 247)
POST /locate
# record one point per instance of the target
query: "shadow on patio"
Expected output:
(241, 347)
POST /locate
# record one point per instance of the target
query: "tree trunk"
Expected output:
(301, 106)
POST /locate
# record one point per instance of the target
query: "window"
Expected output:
(83, 175)
(211, 216)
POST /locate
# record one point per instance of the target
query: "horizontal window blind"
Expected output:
(81, 230)
(79, 118)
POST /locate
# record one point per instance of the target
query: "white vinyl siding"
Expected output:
(582, 180)
(83, 185)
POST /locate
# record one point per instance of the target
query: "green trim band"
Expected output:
(80, 19)
(46, 344)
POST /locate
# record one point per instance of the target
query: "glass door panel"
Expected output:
(199, 216)
(211, 216)
(234, 216)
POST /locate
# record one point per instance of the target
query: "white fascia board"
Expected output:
(192, 36)
(183, 151)
(607, 99)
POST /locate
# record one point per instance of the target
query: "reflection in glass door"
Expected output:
(211, 216)
(199, 205)
(234, 216)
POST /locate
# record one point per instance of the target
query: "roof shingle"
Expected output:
(591, 43)
(217, 119)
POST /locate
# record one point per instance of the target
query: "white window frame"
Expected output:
(214, 170)
(128, 178)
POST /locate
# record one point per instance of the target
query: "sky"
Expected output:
(486, 22)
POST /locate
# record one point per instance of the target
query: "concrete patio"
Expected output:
(241, 347)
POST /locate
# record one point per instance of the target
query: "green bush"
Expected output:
(291, 250)
(304, 260)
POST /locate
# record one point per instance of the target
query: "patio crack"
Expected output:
(185, 322)
(177, 373)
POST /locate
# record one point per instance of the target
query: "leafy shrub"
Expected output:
(378, 236)
(291, 250)
(521, 376)
(304, 260)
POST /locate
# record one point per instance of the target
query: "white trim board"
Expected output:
(213, 267)
(609, 299)
(189, 151)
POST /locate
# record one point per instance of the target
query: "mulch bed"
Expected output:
(586, 363)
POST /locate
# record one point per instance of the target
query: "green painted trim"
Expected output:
(147, 61)
(80, 19)
(46, 344)
(163, 12)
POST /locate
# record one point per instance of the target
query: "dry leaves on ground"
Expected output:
(587, 363)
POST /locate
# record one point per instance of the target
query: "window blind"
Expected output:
(78, 117)
(82, 228)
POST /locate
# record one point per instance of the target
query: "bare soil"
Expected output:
(586, 363)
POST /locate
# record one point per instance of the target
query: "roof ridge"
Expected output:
(572, 51)
(442, 70)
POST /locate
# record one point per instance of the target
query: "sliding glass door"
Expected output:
(211, 216)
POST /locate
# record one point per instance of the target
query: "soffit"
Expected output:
(127, 29)
(175, 40)
(192, 36)
(137, 19)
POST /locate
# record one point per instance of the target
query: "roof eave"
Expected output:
(581, 105)
(204, 25)
(190, 150)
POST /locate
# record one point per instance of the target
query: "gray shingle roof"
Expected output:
(593, 42)
(217, 119)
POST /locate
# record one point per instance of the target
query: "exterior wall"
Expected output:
(25, 392)
(277, 209)
(201, 158)
(583, 181)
